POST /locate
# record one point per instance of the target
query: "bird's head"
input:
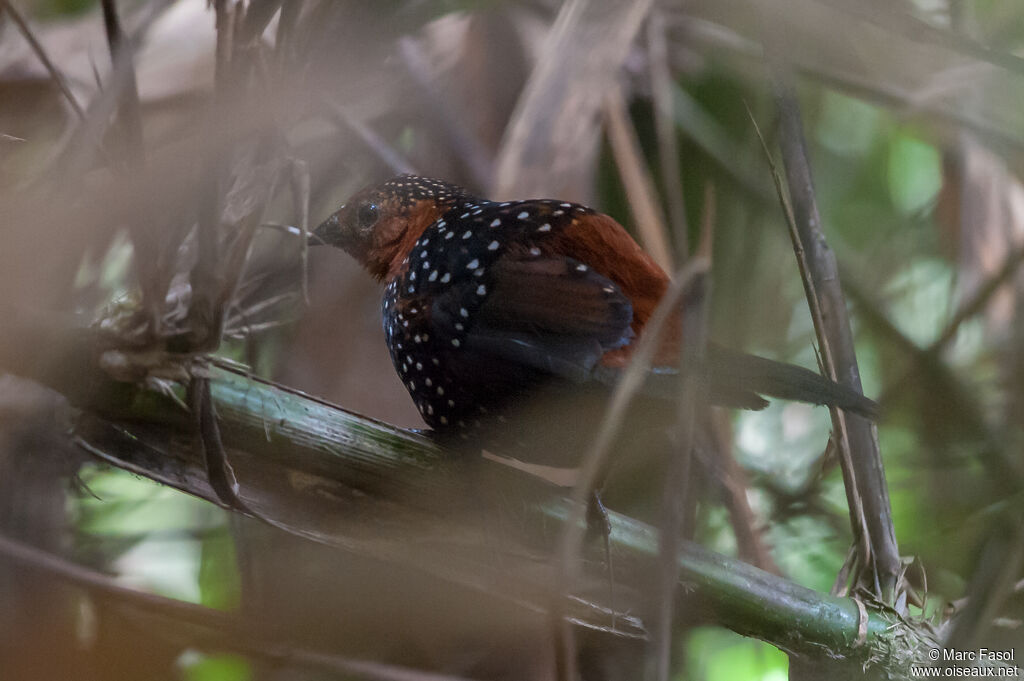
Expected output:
(379, 225)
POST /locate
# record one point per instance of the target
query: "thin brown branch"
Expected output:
(129, 113)
(210, 629)
(205, 316)
(665, 127)
(708, 33)
(468, 148)
(1005, 473)
(552, 137)
(838, 352)
(391, 157)
(207, 441)
(977, 303)
(840, 436)
(899, 21)
(692, 385)
(594, 463)
(640, 191)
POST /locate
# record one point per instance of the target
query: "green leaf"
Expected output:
(217, 668)
(915, 174)
(847, 126)
(720, 655)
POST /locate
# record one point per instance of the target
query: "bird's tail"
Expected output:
(738, 379)
(736, 373)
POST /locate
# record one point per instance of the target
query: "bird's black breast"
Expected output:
(437, 309)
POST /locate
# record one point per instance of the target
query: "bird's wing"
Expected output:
(542, 315)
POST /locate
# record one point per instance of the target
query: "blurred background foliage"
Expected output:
(915, 132)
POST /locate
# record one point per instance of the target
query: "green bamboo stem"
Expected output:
(290, 431)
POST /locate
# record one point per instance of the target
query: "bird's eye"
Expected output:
(367, 214)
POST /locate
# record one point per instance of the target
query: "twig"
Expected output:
(999, 565)
(552, 136)
(205, 316)
(463, 142)
(980, 299)
(37, 47)
(840, 436)
(871, 89)
(570, 545)
(836, 341)
(640, 191)
(391, 157)
(710, 135)
(207, 441)
(900, 22)
(209, 628)
(129, 115)
(678, 491)
(692, 383)
(665, 127)
(1002, 469)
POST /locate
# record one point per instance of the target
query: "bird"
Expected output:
(488, 305)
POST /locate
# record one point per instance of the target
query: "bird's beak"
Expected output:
(326, 233)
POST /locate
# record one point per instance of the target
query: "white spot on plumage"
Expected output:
(496, 222)
(493, 246)
(523, 215)
(464, 312)
(534, 251)
(446, 278)
(456, 342)
(468, 234)
(433, 276)
(473, 264)
(440, 390)
(481, 290)
(546, 227)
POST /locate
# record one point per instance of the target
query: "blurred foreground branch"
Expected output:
(316, 471)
